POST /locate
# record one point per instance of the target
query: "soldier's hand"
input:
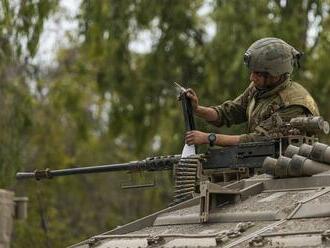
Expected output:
(191, 94)
(196, 137)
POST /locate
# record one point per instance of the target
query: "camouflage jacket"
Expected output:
(256, 107)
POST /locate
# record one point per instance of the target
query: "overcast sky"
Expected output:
(57, 27)
(63, 22)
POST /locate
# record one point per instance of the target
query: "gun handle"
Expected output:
(188, 112)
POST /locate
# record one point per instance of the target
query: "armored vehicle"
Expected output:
(273, 193)
(255, 212)
(11, 207)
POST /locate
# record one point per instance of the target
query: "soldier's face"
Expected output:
(263, 80)
(259, 80)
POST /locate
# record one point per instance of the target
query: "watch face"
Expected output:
(212, 137)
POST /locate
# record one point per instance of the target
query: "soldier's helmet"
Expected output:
(271, 55)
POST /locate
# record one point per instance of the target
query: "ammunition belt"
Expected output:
(186, 178)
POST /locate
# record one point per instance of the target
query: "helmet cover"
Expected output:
(271, 55)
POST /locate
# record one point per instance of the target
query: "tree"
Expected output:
(21, 25)
(106, 103)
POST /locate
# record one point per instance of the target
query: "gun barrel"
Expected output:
(24, 175)
(149, 164)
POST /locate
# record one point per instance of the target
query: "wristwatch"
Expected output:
(212, 138)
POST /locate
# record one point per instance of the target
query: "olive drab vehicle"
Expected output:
(274, 193)
(11, 208)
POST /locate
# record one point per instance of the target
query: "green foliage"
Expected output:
(106, 103)
(20, 27)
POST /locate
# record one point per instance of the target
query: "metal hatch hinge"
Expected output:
(214, 196)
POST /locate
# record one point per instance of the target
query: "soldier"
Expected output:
(271, 92)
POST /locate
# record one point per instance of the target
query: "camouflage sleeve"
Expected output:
(261, 130)
(232, 112)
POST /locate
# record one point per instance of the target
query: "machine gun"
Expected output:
(148, 164)
(217, 164)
